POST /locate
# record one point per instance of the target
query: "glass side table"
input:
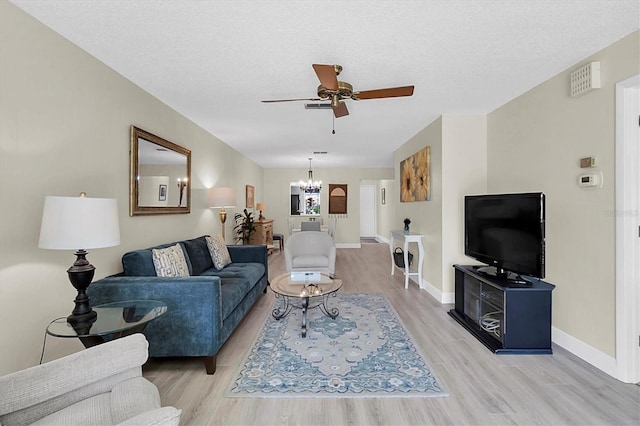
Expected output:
(114, 320)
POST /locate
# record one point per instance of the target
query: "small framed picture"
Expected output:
(162, 193)
(250, 195)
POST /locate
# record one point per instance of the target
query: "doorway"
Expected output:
(627, 218)
(368, 211)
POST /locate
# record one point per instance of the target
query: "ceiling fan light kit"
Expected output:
(336, 91)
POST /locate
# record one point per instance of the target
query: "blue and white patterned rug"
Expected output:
(364, 352)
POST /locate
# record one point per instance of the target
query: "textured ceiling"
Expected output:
(214, 61)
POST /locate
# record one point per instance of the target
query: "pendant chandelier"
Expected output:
(310, 185)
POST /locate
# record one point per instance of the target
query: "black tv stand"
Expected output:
(508, 318)
(503, 274)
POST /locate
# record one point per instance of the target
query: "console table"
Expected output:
(410, 237)
(263, 233)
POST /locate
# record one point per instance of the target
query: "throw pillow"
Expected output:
(170, 262)
(219, 251)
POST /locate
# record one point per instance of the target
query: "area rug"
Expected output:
(364, 352)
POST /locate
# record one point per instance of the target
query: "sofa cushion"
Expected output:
(236, 280)
(139, 263)
(251, 272)
(170, 262)
(198, 255)
(233, 290)
(218, 251)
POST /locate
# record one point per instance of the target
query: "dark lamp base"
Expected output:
(80, 275)
(78, 319)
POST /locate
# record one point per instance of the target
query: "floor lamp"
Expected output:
(80, 223)
(221, 198)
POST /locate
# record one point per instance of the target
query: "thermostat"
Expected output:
(590, 179)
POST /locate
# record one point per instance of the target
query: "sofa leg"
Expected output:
(210, 364)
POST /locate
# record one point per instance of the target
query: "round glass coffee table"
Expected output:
(305, 290)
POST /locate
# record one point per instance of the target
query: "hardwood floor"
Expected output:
(485, 389)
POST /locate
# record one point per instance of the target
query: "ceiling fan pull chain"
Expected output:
(333, 123)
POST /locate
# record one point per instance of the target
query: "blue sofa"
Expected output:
(203, 309)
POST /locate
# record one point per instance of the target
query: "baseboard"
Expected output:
(593, 356)
(382, 239)
(348, 245)
(436, 293)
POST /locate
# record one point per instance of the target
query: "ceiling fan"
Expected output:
(337, 91)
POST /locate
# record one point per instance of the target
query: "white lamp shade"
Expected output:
(222, 197)
(73, 223)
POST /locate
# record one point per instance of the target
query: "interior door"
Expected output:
(367, 211)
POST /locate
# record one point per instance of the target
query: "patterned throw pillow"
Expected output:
(170, 262)
(219, 252)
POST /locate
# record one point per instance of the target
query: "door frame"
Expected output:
(627, 212)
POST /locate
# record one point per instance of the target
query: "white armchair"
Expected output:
(310, 251)
(102, 385)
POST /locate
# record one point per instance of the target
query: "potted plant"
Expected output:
(244, 226)
(407, 222)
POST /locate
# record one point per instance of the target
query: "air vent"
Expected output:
(320, 152)
(317, 106)
(585, 79)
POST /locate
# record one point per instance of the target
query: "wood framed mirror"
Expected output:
(160, 175)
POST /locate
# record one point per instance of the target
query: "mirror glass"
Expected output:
(304, 203)
(160, 174)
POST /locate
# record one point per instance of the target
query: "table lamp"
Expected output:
(261, 207)
(221, 198)
(80, 223)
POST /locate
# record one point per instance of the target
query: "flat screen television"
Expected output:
(506, 232)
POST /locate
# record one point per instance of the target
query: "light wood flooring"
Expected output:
(485, 389)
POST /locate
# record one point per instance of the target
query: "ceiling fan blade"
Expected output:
(290, 100)
(341, 110)
(393, 92)
(327, 76)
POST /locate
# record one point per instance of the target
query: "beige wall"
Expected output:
(425, 216)
(276, 196)
(64, 128)
(464, 172)
(535, 143)
(458, 167)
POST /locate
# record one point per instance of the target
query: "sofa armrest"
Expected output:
(194, 310)
(64, 381)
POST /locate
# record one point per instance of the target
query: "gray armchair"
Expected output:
(310, 251)
(102, 385)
